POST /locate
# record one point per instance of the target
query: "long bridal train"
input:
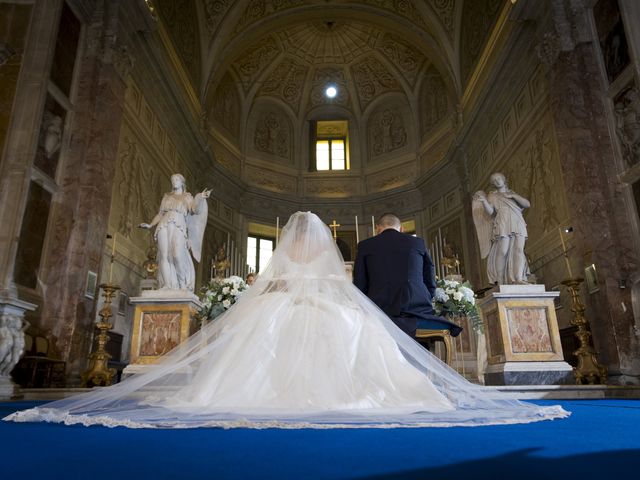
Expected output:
(303, 347)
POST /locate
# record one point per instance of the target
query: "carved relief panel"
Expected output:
(226, 106)
(434, 100)
(534, 172)
(392, 178)
(224, 157)
(272, 134)
(272, 181)
(387, 132)
(627, 111)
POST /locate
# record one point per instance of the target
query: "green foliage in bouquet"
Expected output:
(218, 296)
(456, 298)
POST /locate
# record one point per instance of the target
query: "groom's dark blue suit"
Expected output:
(396, 272)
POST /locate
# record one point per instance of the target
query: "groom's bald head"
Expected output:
(388, 220)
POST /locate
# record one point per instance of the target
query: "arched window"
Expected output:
(330, 145)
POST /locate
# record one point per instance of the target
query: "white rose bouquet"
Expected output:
(456, 298)
(218, 296)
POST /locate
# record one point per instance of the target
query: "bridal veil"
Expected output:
(302, 348)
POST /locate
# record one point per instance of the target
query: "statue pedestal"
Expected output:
(522, 336)
(148, 285)
(162, 319)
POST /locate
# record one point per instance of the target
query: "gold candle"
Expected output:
(564, 252)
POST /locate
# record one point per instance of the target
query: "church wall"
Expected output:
(126, 128)
(541, 121)
(12, 42)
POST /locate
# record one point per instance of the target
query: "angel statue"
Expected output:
(502, 232)
(180, 227)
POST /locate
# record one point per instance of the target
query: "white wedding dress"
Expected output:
(302, 348)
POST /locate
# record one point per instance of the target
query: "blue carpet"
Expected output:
(599, 440)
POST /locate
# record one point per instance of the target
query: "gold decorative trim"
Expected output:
(187, 327)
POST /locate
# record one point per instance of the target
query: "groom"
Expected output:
(396, 272)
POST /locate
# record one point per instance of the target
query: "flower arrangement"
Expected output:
(457, 298)
(218, 296)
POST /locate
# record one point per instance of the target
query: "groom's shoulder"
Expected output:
(418, 241)
(367, 242)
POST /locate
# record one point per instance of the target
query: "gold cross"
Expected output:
(335, 226)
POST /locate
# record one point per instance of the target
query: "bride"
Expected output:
(302, 348)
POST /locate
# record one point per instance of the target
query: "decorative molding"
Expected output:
(323, 76)
(446, 13)
(254, 60)
(329, 188)
(225, 158)
(259, 9)
(389, 179)
(404, 56)
(214, 12)
(323, 42)
(372, 79)
(286, 82)
(403, 8)
(272, 181)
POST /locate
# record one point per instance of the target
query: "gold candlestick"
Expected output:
(99, 372)
(588, 369)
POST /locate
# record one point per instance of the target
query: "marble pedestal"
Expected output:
(162, 319)
(522, 337)
(12, 326)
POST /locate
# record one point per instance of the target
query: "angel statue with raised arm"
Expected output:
(180, 225)
(502, 232)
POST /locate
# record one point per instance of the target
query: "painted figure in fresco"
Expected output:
(180, 225)
(502, 232)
